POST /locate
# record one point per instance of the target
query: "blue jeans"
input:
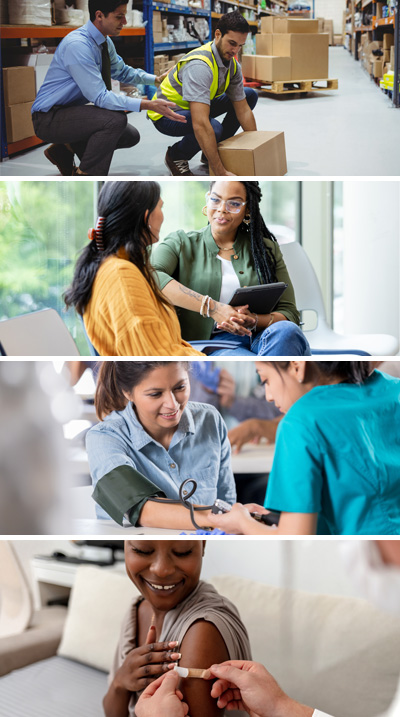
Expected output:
(188, 145)
(283, 338)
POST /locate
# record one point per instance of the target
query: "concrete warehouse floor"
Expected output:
(346, 132)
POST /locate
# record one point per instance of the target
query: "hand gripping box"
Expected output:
(254, 154)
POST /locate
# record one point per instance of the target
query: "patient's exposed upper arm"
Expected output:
(202, 646)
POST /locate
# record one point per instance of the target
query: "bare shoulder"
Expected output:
(202, 646)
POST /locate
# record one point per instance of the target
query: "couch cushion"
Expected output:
(53, 688)
(98, 603)
(332, 652)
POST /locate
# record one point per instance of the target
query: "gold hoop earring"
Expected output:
(247, 219)
(204, 210)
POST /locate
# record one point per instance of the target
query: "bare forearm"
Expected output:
(206, 138)
(172, 517)
(186, 298)
(116, 701)
(264, 320)
(246, 119)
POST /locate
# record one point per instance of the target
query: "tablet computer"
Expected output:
(261, 299)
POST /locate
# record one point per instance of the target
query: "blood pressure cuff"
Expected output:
(124, 491)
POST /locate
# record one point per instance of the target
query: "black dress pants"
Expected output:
(93, 133)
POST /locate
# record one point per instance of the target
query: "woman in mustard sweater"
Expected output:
(113, 287)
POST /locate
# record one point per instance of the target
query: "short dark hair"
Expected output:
(105, 6)
(232, 22)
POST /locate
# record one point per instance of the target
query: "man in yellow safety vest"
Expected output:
(204, 84)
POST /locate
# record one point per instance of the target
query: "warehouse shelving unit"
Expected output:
(21, 32)
(376, 26)
(149, 6)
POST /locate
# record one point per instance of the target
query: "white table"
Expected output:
(254, 458)
(93, 526)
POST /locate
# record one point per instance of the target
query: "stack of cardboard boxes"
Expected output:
(19, 94)
(381, 64)
(160, 30)
(163, 63)
(289, 50)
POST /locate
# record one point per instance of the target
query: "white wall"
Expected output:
(371, 228)
(331, 10)
(313, 565)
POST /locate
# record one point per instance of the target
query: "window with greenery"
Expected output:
(44, 225)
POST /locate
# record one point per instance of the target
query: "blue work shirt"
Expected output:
(338, 454)
(199, 449)
(74, 76)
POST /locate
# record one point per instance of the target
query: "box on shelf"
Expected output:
(386, 55)
(254, 154)
(392, 55)
(177, 58)
(19, 85)
(270, 68)
(19, 122)
(29, 12)
(388, 40)
(157, 36)
(264, 44)
(377, 69)
(157, 19)
(249, 66)
(309, 53)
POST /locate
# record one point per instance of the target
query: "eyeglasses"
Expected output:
(233, 206)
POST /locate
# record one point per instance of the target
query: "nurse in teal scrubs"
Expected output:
(337, 461)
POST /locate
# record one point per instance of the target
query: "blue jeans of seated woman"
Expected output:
(283, 338)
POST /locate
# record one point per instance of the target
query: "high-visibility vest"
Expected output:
(171, 87)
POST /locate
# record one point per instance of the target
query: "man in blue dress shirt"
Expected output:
(81, 72)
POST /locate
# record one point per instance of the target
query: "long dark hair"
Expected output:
(264, 260)
(124, 206)
(347, 371)
(115, 377)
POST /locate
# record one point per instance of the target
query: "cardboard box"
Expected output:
(377, 69)
(19, 85)
(286, 25)
(254, 154)
(264, 45)
(386, 55)
(338, 40)
(270, 68)
(309, 53)
(157, 36)
(267, 25)
(19, 121)
(392, 55)
(328, 27)
(388, 40)
(249, 66)
(320, 24)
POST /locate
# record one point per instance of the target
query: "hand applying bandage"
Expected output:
(162, 697)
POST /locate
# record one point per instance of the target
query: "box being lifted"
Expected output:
(254, 154)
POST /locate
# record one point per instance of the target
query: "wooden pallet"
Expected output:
(293, 87)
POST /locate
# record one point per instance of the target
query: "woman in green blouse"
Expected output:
(199, 271)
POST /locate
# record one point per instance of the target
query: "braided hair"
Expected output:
(263, 257)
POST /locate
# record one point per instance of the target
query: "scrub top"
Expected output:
(338, 455)
(128, 466)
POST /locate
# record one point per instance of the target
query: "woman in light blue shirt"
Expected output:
(337, 461)
(151, 439)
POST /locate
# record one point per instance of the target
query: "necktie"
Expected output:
(106, 65)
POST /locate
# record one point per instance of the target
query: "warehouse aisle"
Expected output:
(346, 132)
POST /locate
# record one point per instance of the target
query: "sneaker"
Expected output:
(59, 155)
(177, 167)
